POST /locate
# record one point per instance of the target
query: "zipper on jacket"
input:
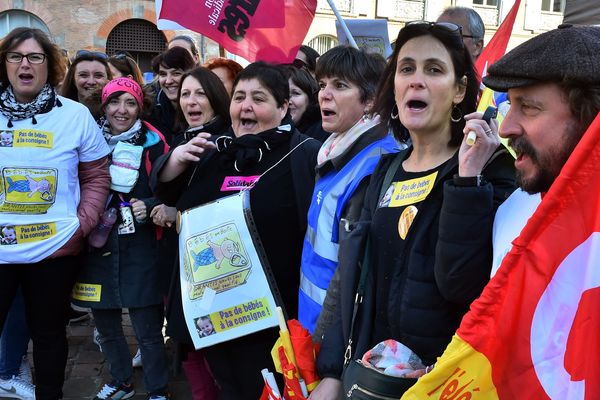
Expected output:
(368, 393)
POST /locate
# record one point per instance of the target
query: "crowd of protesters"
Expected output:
(367, 183)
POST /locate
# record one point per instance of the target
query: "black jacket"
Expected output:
(446, 263)
(349, 215)
(163, 116)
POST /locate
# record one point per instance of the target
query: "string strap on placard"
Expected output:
(274, 165)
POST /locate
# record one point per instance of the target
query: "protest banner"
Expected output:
(266, 30)
(224, 288)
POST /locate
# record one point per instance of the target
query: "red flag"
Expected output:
(266, 30)
(292, 387)
(534, 333)
(305, 352)
(497, 46)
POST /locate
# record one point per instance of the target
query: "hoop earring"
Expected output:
(392, 113)
(460, 114)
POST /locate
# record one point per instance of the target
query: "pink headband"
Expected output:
(123, 85)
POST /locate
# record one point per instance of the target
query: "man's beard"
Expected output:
(547, 166)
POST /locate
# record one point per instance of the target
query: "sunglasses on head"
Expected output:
(122, 55)
(298, 64)
(443, 27)
(88, 53)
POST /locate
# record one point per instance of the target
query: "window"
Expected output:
(139, 38)
(343, 6)
(12, 19)
(491, 3)
(322, 43)
(557, 6)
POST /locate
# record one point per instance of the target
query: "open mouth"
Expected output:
(327, 113)
(26, 77)
(248, 123)
(416, 105)
(194, 114)
(523, 150)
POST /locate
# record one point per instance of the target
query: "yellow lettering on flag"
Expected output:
(412, 191)
(462, 373)
(87, 292)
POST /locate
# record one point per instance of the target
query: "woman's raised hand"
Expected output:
(191, 151)
(472, 158)
(185, 154)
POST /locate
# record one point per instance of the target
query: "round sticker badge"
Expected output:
(406, 219)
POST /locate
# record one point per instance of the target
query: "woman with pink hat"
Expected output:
(123, 272)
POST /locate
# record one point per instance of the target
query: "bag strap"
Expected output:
(389, 174)
(365, 265)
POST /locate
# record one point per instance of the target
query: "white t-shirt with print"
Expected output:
(39, 183)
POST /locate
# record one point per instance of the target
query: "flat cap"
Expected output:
(569, 52)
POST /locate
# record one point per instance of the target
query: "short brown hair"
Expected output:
(226, 63)
(175, 57)
(54, 58)
(68, 88)
(583, 100)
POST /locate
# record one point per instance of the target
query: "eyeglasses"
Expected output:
(33, 58)
(445, 27)
(87, 53)
(449, 26)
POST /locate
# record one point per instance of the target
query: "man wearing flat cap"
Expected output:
(553, 85)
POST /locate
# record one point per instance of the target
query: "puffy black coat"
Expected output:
(447, 261)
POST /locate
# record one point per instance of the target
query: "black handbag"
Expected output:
(359, 381)
(364, 383)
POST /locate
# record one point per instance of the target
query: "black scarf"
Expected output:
(215, 126)
(248, 150)
(13, 110)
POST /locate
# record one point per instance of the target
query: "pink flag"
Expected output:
(266, 30)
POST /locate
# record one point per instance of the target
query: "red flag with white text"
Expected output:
(266, 30)
(535, 331)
